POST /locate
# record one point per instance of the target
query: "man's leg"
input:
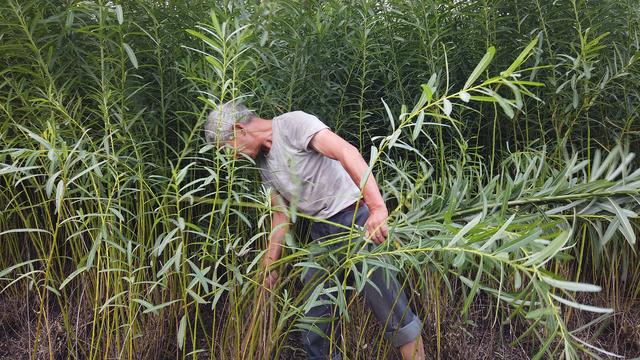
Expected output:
(413, 350)
(391, 307)
(318, 344)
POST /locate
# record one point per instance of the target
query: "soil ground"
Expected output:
(477, 336)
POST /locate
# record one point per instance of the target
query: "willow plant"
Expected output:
(510, 178)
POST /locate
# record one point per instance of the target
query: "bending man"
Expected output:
(305, 163)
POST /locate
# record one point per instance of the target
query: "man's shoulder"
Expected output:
(297, 114)
(297, 128)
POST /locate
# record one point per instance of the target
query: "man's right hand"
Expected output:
(279, 227)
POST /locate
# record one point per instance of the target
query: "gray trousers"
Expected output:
(390, 305)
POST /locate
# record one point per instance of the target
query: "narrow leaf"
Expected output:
(418, 126)
(521, 58)
(119, 14)
(465, 230)
(538, 313)
(582, 306)
(391, 119)
(59, 195)
(570, 285)
(482, 65)
(447, 106)
(182, 330)
(626, 228)
(73, 275)
(131, 54)
(427, 92)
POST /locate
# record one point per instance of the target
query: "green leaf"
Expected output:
(36, 137)
(570, 285)
(527, 83)
(432, 83)
(310, 327)
(373, 156)
(521, 58)
(505, 105)
(418, 126)
(165, 240)
(389, 114)
(196, 297)
(482, 65)
(312, 299)
(611, 230)
(182, 330)
(427, 92)
(91, 168)
(470, 225)
(310, 264)
(516, 93)
(10, 269)
(460, 259)
(551, 339)
(521, 241)
(69, 22)
(94, 248)
(576, 305)
(206, 148)
(394, 137)
(49, 184)
(626, 228)
(213, 43)
(154, 308)
(498, 234)
(517, 280)
(144, 303)
(447, 107)
(131, 54)
(182, 173)
(474, 288)
(483, 98)
(59, 195)
(108, 302)
(73, 275)
(538, 313)
(119, 14)
(550, 250)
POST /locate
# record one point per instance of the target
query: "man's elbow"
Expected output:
(349, 153)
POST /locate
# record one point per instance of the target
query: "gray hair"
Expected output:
(220, 122)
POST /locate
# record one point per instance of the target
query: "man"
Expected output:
(306, 164)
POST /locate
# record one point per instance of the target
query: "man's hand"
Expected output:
(271, 276)
(376, 225)
(279, 227)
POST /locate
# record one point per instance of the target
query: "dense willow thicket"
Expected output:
(502, 134)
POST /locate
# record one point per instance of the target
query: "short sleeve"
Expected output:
(302, 127)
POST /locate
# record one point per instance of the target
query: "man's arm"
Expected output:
(333, 146)
(279, 228)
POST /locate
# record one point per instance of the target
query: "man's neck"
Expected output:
(263, 129)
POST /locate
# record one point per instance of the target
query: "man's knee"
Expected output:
(317, 340)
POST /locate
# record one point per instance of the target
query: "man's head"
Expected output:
(228, 124)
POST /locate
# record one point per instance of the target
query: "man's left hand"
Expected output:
(376, 225)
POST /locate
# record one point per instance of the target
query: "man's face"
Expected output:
(242, 142)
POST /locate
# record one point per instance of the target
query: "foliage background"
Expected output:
(127, 237)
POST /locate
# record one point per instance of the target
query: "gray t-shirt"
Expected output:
(315, 184)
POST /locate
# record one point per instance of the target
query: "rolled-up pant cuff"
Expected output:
(405, 334)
